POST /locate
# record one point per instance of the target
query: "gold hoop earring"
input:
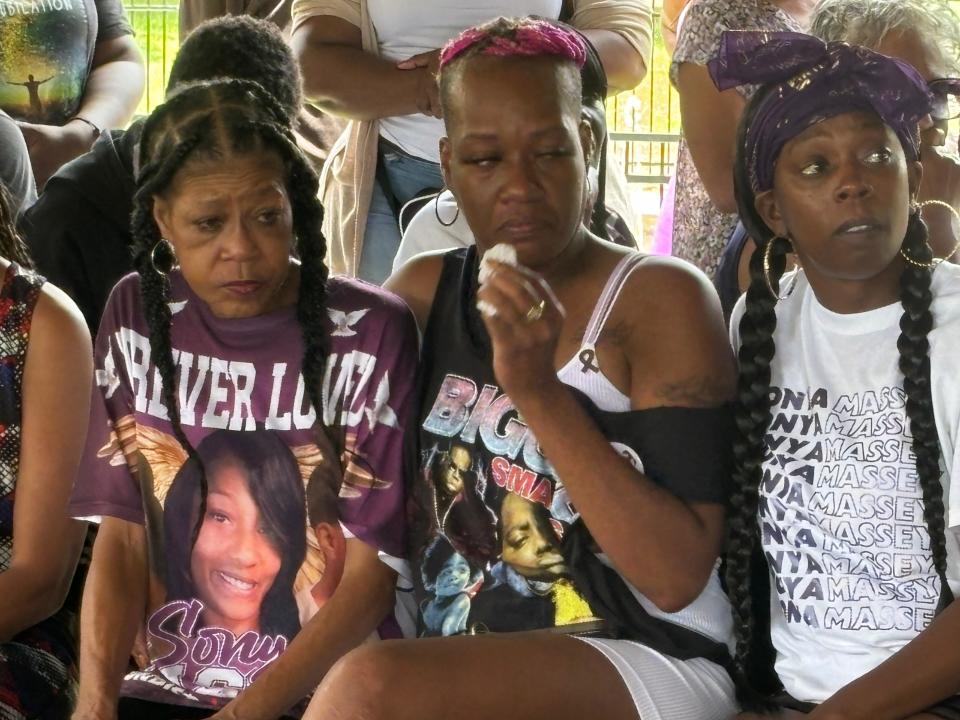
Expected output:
(936, 261)
(766, 271)
(168, 248)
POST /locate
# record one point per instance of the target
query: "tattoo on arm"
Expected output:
(697, 391)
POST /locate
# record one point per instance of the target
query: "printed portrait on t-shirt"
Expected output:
(244, 567)
(459, 507)
(240, 558)
(45, 51)
(491, 558)
(453, 583)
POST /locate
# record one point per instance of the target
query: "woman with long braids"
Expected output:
(565, 551)
(926, 34)
(841, 558)
(231, 324)
(45, 373)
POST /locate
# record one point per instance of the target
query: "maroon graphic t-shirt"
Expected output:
(228, 591)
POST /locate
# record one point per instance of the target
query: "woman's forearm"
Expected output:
(347, 81)
(924, 672)
(28, 600)
(114, 603)
(361, 601)
(655, 539)
(623, 64)
(115, 84)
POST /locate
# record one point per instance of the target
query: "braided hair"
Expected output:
(747, 574)
(239, 46)
(216, 119)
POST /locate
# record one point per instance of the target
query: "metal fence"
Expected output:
(645, 124)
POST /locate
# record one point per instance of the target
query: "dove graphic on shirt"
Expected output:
(381, 413)
(176, 307)
(108, 378)
(345, 321)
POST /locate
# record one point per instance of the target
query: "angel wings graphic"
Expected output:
(155, 457)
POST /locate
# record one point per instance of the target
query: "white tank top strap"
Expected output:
(608, 298)
(583, 371)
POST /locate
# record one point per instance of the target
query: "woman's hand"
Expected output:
(52, 147)
(429, 60)
(524, 319)
(427, 65)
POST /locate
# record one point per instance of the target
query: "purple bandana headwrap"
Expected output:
(814, 81)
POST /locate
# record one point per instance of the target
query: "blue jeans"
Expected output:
(408, 176)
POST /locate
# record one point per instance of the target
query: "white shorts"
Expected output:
(664, 688)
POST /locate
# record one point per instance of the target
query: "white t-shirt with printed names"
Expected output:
(841, 510)
(405, 29)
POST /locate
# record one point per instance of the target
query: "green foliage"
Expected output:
(155, 25)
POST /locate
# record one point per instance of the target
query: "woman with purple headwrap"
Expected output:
(926, 34)
(842, 556)
(573, 435)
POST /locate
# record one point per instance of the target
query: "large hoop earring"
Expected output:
(935, 261)
(168, 248)
(436, 211)
(923, 265)
(766, 271)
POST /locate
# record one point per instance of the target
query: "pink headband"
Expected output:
(533, 38)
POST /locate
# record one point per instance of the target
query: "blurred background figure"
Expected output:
(670, 16)
(316, 130)
(705, 209)
(375, 64)
(68, 71)
(45, 377)
(194, 12)
(15, 166)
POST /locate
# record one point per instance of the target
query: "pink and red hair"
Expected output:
(518, 38)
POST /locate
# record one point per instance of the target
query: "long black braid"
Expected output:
(914, 347)
(747, 574)
(215, 119)
(745, 568)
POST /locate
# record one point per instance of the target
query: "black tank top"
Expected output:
(497, 546)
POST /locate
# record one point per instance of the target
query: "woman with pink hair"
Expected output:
(374, 63)
(578, 388)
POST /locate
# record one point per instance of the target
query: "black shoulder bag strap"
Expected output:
(566, 11)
